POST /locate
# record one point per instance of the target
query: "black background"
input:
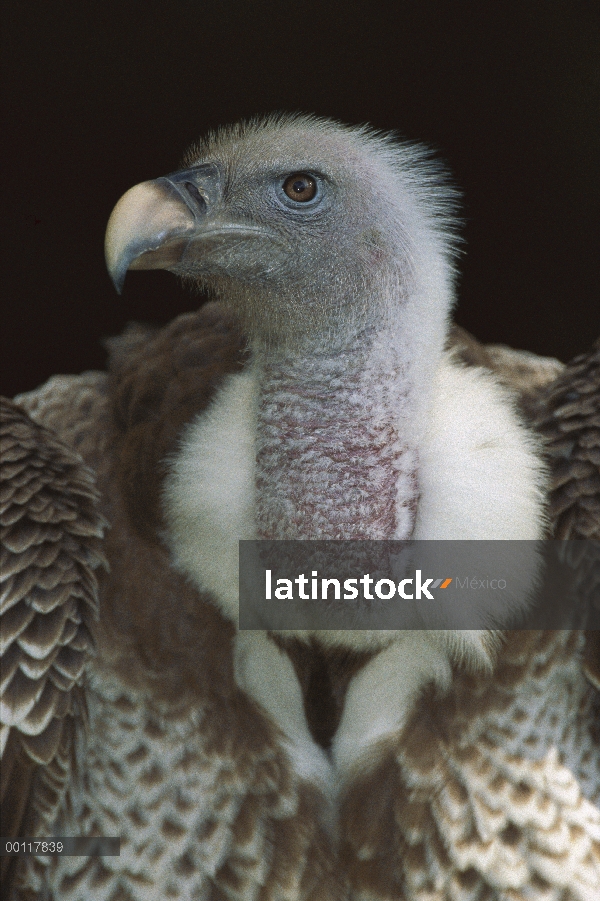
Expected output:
(101, 95)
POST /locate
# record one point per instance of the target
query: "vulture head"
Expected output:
(311, 231)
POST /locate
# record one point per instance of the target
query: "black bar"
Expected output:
(61, 846)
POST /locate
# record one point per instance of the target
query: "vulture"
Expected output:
(321, 393)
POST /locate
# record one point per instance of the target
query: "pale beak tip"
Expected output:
(148, 229)
(118, 282)
(117, 269)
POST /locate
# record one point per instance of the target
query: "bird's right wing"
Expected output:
(51, 531)
(569, 420)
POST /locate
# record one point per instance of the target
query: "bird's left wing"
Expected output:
(51, 533)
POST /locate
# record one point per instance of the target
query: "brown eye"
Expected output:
(300, 187)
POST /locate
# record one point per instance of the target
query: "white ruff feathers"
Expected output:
(478, 478)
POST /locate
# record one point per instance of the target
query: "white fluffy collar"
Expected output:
(480, 477)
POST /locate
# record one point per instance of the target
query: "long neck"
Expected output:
(337, 443)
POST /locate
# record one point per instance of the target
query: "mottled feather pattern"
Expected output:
(475, 801)
(204, 802)
(51, 532)
(569, 419)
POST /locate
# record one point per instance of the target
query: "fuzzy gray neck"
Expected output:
(337, 443)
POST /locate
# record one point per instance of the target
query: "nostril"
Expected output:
(197, 196)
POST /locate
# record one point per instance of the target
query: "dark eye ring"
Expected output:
(300, 187)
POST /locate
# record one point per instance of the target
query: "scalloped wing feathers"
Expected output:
(51, 531)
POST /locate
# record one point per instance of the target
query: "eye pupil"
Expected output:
(300, 187)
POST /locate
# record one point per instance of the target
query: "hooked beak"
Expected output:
(154, 223)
